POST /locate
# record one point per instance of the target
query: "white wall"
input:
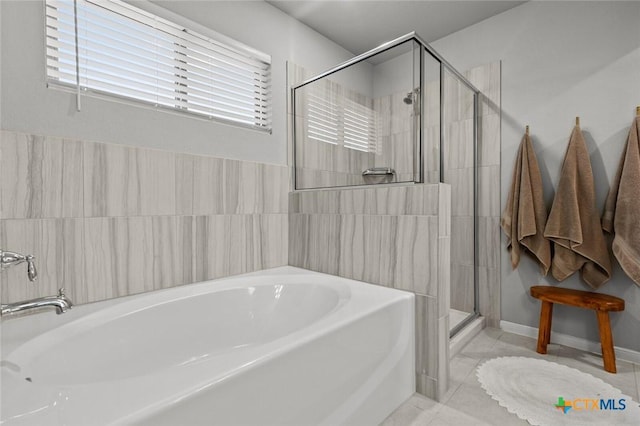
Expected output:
(561, 60)
(28, 106)
(394, 75)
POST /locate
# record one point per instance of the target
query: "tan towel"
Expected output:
(622, 209)
(525, 215)
(574, 225)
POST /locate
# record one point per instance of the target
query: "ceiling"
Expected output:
(361, 25)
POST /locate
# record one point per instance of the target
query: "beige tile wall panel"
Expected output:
(141, 219)
(208, 185)
(59, 251)
(126, 181)
(119, 256)
(40, 177)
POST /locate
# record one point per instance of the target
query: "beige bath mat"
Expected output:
(547, 393)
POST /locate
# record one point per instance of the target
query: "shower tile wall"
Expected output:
(396, 236)
(107, 220)
(395, 135)
(431, 131)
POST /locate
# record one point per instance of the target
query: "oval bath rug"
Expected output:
(546, 393)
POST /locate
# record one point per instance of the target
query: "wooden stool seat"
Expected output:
(601, 303)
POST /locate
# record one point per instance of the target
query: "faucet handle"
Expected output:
(67, 303)
(32, 273)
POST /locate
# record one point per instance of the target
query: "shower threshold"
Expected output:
(466, 331)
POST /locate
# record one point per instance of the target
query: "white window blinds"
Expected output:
(341, 121)
(324, 118)
(110, 47)
(359, 127)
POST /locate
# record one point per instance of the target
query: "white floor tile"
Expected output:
(448, 416)
(466, 403)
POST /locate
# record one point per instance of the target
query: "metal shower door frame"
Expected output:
(419, 174)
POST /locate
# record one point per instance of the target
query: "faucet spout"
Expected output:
(60, 302)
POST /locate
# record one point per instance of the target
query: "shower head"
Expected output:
(411, 96)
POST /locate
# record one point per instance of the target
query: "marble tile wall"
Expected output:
(108, 220)
(431, 132)
(396, 236)
(395, 135)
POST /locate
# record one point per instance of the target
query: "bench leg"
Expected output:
(606, 340)
(544, 330)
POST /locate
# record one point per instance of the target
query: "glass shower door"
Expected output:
(359, 125)
(459, 170)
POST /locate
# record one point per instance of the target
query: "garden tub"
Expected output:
(284, 346)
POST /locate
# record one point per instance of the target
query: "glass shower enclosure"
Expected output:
(356, 126)
(398, 114)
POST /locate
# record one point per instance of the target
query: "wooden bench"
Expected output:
(601, 303)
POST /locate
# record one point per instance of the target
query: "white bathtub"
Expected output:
(279, 347)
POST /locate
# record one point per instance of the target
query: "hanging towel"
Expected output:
(525, 215)
(573, 225)
(622, 209)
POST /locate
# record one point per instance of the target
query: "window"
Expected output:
(113, 48)
(341, 121)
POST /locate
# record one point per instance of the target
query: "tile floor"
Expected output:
(466, 403)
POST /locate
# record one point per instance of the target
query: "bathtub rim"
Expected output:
(14, 330)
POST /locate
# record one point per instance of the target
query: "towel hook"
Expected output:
(526, 129)
(638, 110)
(577, 121)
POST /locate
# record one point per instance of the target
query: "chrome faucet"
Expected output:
(9, 258)
(60, 302)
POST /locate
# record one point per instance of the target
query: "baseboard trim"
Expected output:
(571, 341)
